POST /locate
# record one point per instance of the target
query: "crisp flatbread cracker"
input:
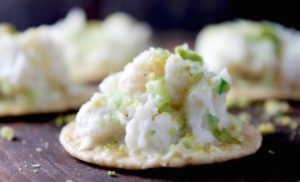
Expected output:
(10, 108)
(116, 159)
(260, 93)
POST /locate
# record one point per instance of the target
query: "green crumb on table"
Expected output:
(274, 107)
(266, 128)
(7, 133)
(271, 152)
(284, 120)
(63, 120)
(111, 173)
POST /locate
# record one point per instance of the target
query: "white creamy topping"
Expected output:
(157, 100)
(31, 68)
(109, 44)
(252, 48)
(235, 44)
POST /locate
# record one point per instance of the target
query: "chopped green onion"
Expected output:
(188, 141)
(188, 54)
(223, 86)
(157, 88)
(223, 135)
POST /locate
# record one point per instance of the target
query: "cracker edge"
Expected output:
(257, 94)
(233, 151)
(72, 102)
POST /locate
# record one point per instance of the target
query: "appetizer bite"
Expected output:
(262, 58)
(32, 77)
(164, 110)
(94, 49)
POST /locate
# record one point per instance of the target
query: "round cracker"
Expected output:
(261, 93)
(74, 101)
(117, 159)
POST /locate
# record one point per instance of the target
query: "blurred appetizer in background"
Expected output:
(164, 110)
(94, 49)
(33, 78)
(262, 58)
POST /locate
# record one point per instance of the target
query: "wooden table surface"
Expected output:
(39, 131)
(37, 143)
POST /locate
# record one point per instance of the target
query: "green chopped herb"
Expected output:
(223, 135)
(172, 132)
(152, 132)
(157, 88)
(188, 54)
(188, 141)
(268, 32)
(223, 86)
(198, 146)
(122, 148)
(7, 133)
(197, 77)
(111, 173)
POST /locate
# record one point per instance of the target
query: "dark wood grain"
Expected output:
(56, 165)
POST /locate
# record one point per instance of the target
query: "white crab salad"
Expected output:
(162, 101)
(106, 45)
(31, 70)
(262, 53)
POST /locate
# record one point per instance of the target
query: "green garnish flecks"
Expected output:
(172, 132)
(7, 133)
(157, 88)
(223, 135)
(111, 173)
(188, 54)
(223, 86)
(152, 132)
(267, 32)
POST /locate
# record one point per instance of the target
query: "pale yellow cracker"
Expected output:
(260, 93)
(118, 159)
(10, 108)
